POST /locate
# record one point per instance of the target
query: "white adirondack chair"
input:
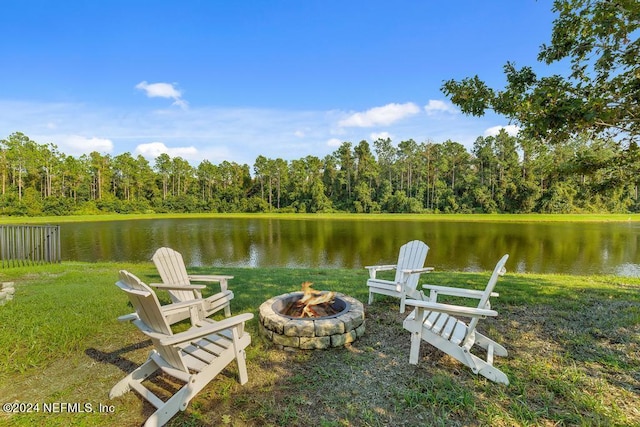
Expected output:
(194, 357)
(438, 325)
(408, 269)
(173, 271)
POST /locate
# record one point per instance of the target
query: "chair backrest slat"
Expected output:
(497, 272)
(412, 256)
(484, 300)
(172, 270)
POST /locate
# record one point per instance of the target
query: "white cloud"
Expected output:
(435, 106)
(384, 115)
(152, 150)
(163, 90)
(218, 133)
(380, 135)
(495, 130)
(75, 144)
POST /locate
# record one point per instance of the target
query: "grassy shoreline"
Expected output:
(574, 345)
(334, 216)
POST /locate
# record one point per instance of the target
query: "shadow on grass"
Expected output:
(115, 357)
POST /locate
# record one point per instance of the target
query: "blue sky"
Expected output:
(231, 80)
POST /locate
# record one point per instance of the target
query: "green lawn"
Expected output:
(574, 344)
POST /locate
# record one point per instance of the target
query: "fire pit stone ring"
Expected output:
(311, 333)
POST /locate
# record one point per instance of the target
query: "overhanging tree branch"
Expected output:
(601, 95)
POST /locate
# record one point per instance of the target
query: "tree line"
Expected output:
(499, 174)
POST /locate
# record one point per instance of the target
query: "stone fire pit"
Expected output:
(311, 333)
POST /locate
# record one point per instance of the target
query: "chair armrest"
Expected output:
(164, 308)
(373, 269)
(458, 292)
(451, 309)
(181, 305)
(418, 270)
(212, 278)
(380, 267)
(208, 328)
(208, 277)
(177, 287)
(128, 317)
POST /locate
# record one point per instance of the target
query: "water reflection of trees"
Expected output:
(581, 248)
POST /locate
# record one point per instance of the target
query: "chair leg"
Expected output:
(414, 353)
(370, 298)
(494, 374)
(195, 315)
(138, 375)
(171, 407)
(241, 359)
(485, 342)
(481, 367)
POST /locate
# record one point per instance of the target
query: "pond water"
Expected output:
(570, 248)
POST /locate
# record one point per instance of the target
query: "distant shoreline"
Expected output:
(331, 216)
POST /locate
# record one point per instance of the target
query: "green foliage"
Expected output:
(53, 206)
(601, 95)
(502, 174)
(558, 199)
